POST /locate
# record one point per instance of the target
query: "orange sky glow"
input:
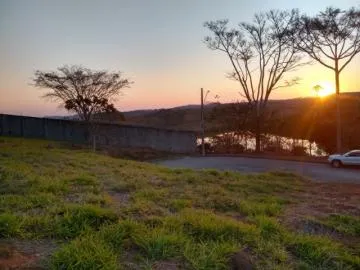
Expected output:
(159, 46)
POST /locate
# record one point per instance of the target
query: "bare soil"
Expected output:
(25, 254)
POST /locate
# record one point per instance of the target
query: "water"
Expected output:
(269, 143)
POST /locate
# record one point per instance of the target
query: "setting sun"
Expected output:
(323, 89)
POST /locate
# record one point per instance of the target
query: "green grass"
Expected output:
(345, 224)
(107, 213)
(85, 253)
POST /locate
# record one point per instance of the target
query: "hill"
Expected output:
(62, 208)
(188, 117)
(301, 118)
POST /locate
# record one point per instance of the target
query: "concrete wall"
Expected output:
(112, 135)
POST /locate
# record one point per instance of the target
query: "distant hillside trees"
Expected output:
(86, 92)
(332, 38)
(261, 54)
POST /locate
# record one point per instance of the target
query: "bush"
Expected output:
(298, 151)
(228, 143)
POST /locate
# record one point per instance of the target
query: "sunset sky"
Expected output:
(156, 43)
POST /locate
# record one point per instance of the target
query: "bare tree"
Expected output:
(332, 38)
(260, 53)
(82, 90)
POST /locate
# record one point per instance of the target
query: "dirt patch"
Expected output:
(129, 260)
(155, 181)
(119, 199)
(17, 261)
(25, 254)
(241, 261)
(76, 197)
(311, 227)
(321, 200)
(140, 154)
(318, 201)
(166, 265)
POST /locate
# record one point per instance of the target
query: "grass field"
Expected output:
(62, 208)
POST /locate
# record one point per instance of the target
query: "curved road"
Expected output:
(316, 171)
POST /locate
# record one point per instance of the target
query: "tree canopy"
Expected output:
(82, 90)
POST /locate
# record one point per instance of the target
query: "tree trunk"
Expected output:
(338, 110)
(258, 133)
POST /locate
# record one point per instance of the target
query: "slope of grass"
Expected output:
(107, 213)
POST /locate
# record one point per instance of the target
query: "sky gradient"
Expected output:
(158, 44)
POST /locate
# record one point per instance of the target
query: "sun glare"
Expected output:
(323, 89)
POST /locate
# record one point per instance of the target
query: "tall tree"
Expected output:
(260, 53)
(82, 90)
(332, 38)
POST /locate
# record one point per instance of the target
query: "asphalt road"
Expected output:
(316, 171)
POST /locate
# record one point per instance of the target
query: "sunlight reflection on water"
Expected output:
(270, 143)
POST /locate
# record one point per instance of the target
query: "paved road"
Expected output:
(316, 171)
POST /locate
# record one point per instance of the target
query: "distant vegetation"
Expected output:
(62, 208)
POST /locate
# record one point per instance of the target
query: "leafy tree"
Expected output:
(317, 88)
(82, 90)
(261, 54)
(332, 38)
(89, 106)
